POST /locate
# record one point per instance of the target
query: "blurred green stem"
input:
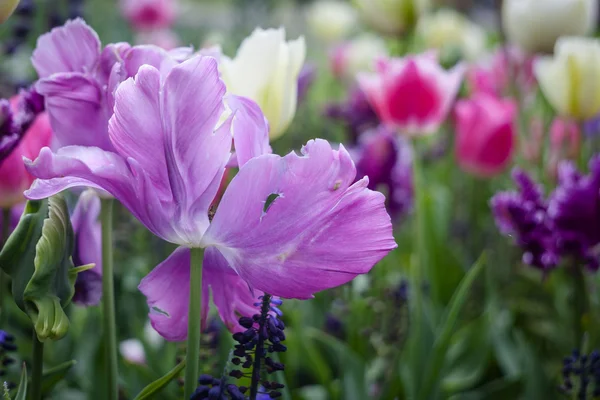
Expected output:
(36, 372)
(3, 280)
(108, 298)
(193, 339)
(580, 304)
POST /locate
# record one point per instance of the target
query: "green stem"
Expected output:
(36, 372)
(108, 299)
(193, 339)
(3, 280)
(580, 304)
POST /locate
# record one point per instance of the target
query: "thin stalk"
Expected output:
(193, 340)
(3, 280)
(36, 372)
(580, 304)
(108, 298)
(258, 356)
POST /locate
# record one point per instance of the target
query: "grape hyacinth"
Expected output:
(6, 346)
(263, 336)
(355, 112)
(581, 375)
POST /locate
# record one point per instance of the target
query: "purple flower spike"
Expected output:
(523, 216)
(305, 79)
(88, 249)
(575, 211)
(288, 226)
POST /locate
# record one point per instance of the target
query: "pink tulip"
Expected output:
(149, 14)
(414, 93)
(14, 178)
(485, 134)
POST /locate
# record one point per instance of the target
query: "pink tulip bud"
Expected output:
(485, 134)
(414, 93)
(149, 14)
(565, 143)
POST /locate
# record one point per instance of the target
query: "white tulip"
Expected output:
(535, 25)
(132, 350)
(447, 30)
(392, 16)
(571, 79)
(265, 69)
(331, 20)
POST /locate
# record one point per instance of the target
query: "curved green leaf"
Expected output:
(160, 383)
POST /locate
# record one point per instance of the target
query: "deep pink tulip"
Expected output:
(414, 93)
(14, 178)
(485, 134)
(149, 14)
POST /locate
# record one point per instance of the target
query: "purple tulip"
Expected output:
(288, 226)
(78, 79)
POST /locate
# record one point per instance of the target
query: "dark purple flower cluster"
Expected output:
(581, 375)
(263, 335)
(306, 77)
(6, 346)
(13, 125)
(567, 224)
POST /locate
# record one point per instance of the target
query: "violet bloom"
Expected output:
(88, 248)
(574, 208)
(355, 112)
(523, 215)
(289, 226)
(386, 159)
(78, 79)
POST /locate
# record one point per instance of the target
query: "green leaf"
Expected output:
(37, 256)
(499, 389)
(446, 329)
(160, 383)
(468, 356)
(22, 389)
(54, 375)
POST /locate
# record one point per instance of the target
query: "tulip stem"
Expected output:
(3, 280)
(37, 366)
(194, 330)
(108, 298)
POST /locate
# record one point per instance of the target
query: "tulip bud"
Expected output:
(413, 94)
(149, 14)
(392, 17)
(571, 79)
(6, 9)
(535, 25)
(565, 143)
(265, 69)
(331, 20)
(37, 257)
(485, 134)
(449, 31)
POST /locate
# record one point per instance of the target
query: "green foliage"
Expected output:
(37, 257)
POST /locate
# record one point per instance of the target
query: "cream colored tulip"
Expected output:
(265, 69)
(392, 17)
(357, 55)
(331, 20)
(571, 79)
(447, 30)
(535, 25)
(7, 7)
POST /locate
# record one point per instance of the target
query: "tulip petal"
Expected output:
(291, 226)
(250, 129)
(167, 292)
(78, 114)
(74, 47)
